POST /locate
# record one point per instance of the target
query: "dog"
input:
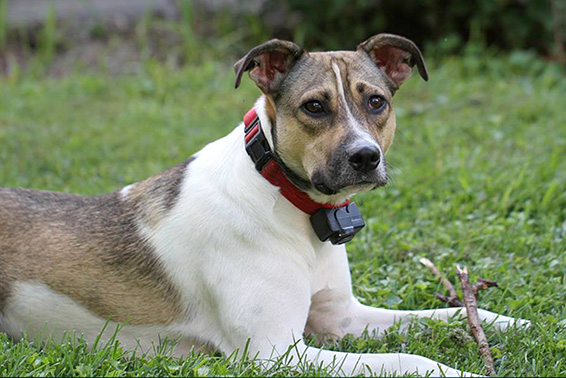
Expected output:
(242, 245)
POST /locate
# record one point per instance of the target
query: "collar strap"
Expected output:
(262, 156)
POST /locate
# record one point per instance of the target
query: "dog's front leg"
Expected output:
(341, 363)
(357, 317)
(266, 313)
(299, 355)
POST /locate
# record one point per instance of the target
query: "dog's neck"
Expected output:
(265, 112)
(337, 223)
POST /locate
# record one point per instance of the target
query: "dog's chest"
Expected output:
(229, 227)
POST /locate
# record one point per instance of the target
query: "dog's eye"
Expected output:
(313, 107)
(377, 103)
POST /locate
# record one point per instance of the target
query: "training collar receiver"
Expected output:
(339, 225)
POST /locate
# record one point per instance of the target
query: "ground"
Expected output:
(479, 179)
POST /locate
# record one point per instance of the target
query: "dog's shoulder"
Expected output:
(152, 199)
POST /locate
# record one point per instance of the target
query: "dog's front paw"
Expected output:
(503, 323)
(427, 367)
(449, 372)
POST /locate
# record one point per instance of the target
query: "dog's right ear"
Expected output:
(269, 63)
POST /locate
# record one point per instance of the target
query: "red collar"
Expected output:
(262, 156)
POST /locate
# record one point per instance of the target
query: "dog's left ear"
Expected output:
(395, 56)
(268, 63)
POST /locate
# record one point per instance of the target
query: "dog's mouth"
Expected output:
(338, 178)
(325, 189)
(337, 181)
(358, 186)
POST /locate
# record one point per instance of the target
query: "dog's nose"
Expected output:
(365, 159)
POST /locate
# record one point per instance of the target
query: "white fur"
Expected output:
(125, 190)
(342, 95)
(249, 266)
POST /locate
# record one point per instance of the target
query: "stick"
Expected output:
(452, 300)
(469, 293)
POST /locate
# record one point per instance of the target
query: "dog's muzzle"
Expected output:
(361, 169)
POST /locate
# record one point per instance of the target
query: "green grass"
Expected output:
(479, 167)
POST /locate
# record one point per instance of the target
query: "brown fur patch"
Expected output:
(89, 248)
(387, 132)
(154, 197)
(270, 109)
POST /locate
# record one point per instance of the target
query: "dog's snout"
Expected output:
(365, 159)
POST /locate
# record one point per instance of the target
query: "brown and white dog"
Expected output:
(211, 253)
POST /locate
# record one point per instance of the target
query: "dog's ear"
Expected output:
(268, 63)
(395, 56)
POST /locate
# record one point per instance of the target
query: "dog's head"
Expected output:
(332, 112)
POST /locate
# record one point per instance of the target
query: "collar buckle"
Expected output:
(257, 145)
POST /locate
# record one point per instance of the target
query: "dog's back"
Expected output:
(86, 248)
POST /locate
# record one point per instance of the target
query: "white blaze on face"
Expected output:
(342, 97)
(362, 136)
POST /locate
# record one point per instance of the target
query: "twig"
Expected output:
(452, 300)
(469, 293)
(483, 284)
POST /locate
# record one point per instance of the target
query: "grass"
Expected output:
(479, 179)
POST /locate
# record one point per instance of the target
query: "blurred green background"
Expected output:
(181, 31)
